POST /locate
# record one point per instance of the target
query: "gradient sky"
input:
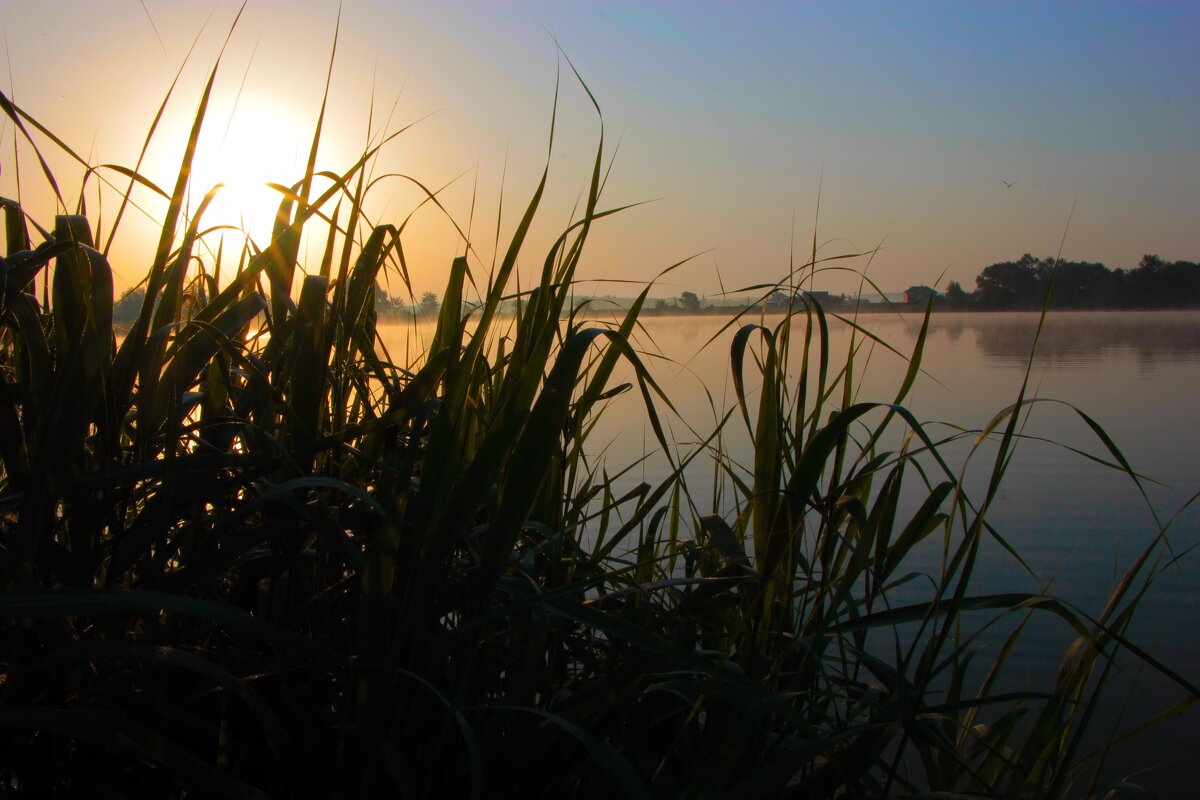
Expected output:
(904, 119)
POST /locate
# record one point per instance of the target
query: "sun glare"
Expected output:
(260, 144)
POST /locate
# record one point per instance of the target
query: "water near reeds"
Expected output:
(1136, 373)
(1078, 524)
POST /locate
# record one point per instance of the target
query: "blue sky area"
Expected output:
(901, 119)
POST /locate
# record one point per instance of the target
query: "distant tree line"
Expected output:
(1022, 284)
(127, 308)
(686, 303)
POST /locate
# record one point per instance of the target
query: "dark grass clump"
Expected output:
(245, 554)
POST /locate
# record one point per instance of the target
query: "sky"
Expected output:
(745, 133)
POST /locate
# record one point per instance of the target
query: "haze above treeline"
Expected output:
(1010, 285)
(939, 136)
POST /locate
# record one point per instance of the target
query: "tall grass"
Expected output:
(246, 554)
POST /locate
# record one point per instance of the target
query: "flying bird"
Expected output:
(1010, 185)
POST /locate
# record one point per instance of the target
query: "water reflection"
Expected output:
(1077, 523)
(1079, 338)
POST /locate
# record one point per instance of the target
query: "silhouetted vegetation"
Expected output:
(126, 310)
(244, 553)
(1023, 284)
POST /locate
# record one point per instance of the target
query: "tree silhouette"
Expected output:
(1154, 283)
(1009, 284)
(1080, 284)
(955, 297)
(126, 309)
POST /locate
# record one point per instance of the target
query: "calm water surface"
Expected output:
(1078, 524)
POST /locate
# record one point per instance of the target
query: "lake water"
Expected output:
(1077, 523)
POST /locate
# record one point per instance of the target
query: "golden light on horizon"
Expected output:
(259, 143)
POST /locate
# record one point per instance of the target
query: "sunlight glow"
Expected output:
(262, 143)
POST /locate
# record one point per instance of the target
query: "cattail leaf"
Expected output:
(16, 232)
(198, 345)
(129, 357)
(602, 755)
(23, 267)
(117, 733)
(309, 380)
(177, 659)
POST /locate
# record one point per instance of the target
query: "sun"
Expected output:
(257, 144)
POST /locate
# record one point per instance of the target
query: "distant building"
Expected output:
(918, 295)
